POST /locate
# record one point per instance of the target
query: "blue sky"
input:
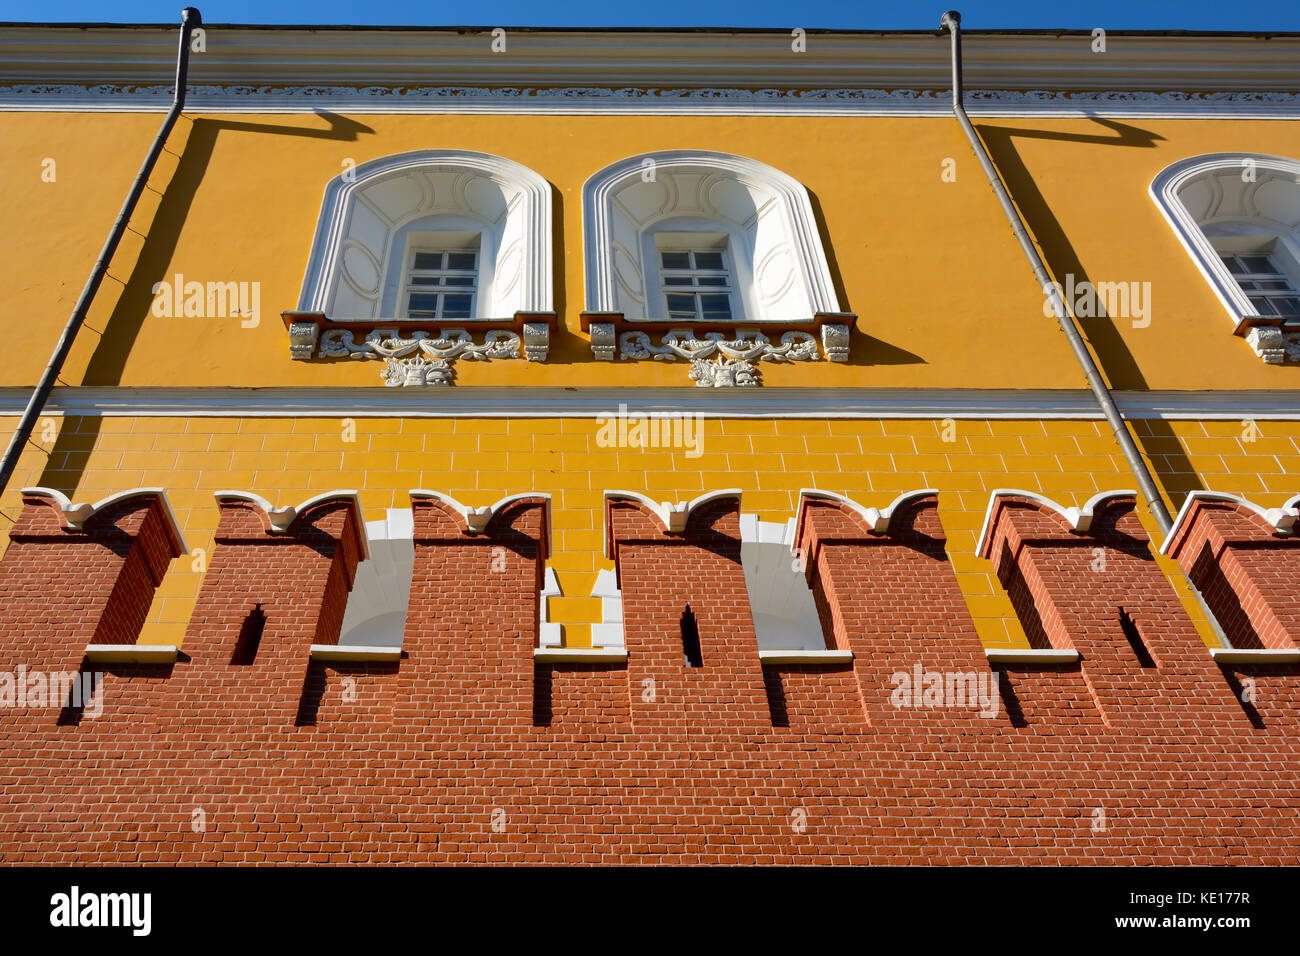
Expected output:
(856, 14)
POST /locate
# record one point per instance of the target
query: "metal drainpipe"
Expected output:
(190, 18)
(952, 21)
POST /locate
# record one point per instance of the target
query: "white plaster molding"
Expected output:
(355, 652)
(75, 516)
(1079, 519)
(876, 519)
(608, 633)
(1274, 345)
(651, 100)
(672, 517)
(767, 209)
(579, 655)
(1030, 655)
(805, 656)
(132, 653)
(1254, 655)
(281, 519)
(364, 207)
(558, 402)
(477, 519)
(718, 360)
(1230, 191)
(1283, 520)
(424, 358)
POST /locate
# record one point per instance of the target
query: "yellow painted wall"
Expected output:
(943, 294)
(480, 460)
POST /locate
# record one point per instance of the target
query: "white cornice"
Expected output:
(555, 402)
(394, 69)
(648, 101)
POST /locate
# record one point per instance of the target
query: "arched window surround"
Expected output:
(1244, 202)
(608, 255)
(527, 197)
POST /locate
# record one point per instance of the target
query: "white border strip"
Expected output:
(132, 653)
(579, 655)
(1030, 655)
(804, 656)
(1266, 655)
(558, 402)
(1282, 519)
(650, 100)
(354, 652)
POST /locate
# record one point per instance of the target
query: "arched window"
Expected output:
(428, 237)
(402, 235)
(690, 237)
(729, 234)
(1238, 215)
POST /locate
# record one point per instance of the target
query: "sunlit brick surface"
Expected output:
(479, 460)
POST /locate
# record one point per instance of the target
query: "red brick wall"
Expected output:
(1249, 576)
(442, 758)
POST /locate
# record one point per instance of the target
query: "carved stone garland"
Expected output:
(424, 358)
(720, 361)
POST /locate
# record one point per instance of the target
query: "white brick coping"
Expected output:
(354, 652)
(805, 656)
(1030, 655)
(579, 655)
(132, 653)
(1257, 655)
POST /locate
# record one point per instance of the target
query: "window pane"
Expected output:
(1288, 306)
(456, 306)
(465, 282)
(1258, 264)
(713, 280)
(716, 306)
(1281, 284)
(676, 260)
(424, 302)
(708, 260)
(677, 280)
(461, 260)
(428, 260)
(681, 305)
(426, 280)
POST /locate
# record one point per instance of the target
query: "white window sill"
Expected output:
(1030, 655)
(579, 655)
(354, 652)
(796, 656)
(132, 653)
(1267, 655)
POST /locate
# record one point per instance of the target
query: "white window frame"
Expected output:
(1284, 271)
(1204, 244)
(427, 243)
(693, 243)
